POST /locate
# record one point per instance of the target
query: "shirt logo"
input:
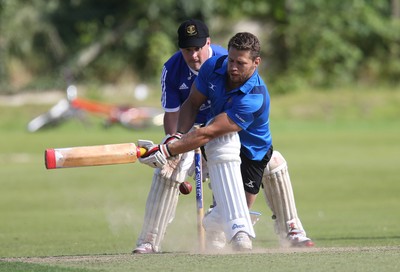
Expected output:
(240, 118)
(204, 107)
(211, 86)
(183, 87)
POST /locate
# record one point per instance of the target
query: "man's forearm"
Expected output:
(190, 141)
(170, 122)
(187, 117)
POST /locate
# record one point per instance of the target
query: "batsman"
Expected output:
(237, 170)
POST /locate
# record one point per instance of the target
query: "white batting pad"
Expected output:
(185, 164)
(160, 210)
(279, 194)
(231, 213)
(162, 201)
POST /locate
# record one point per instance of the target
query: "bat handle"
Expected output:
(140, 151)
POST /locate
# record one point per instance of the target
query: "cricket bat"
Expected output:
(92, 155)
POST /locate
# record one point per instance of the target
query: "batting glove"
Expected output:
(171, 138)
(156, 155)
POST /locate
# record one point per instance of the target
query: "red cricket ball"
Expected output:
(185, 188)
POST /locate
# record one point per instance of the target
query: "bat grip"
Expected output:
(140, 151)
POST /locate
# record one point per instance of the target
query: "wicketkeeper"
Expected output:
(178, 75)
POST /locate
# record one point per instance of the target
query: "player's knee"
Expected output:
(276, 163)
(166, 182)
(223, 149)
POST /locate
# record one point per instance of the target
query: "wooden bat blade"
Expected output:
(92, 155)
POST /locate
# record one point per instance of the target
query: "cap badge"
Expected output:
(191, 30)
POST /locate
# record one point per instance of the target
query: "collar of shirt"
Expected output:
(250, 83)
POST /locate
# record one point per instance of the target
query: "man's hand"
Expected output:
(156, 155)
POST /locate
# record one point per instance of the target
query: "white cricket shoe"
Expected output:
(215, 240)
(144, 248)
(241, 242)
(298, 238)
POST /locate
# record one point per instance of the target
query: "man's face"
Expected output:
(196, 56)
(240, 66)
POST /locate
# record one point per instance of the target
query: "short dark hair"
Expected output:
(246, 41)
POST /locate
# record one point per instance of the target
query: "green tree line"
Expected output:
(313, 43)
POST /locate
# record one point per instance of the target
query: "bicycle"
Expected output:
(75, 107)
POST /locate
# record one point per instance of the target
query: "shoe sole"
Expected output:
(303, 244)
(138, 251)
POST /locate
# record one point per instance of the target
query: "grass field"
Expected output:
(343, 153)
